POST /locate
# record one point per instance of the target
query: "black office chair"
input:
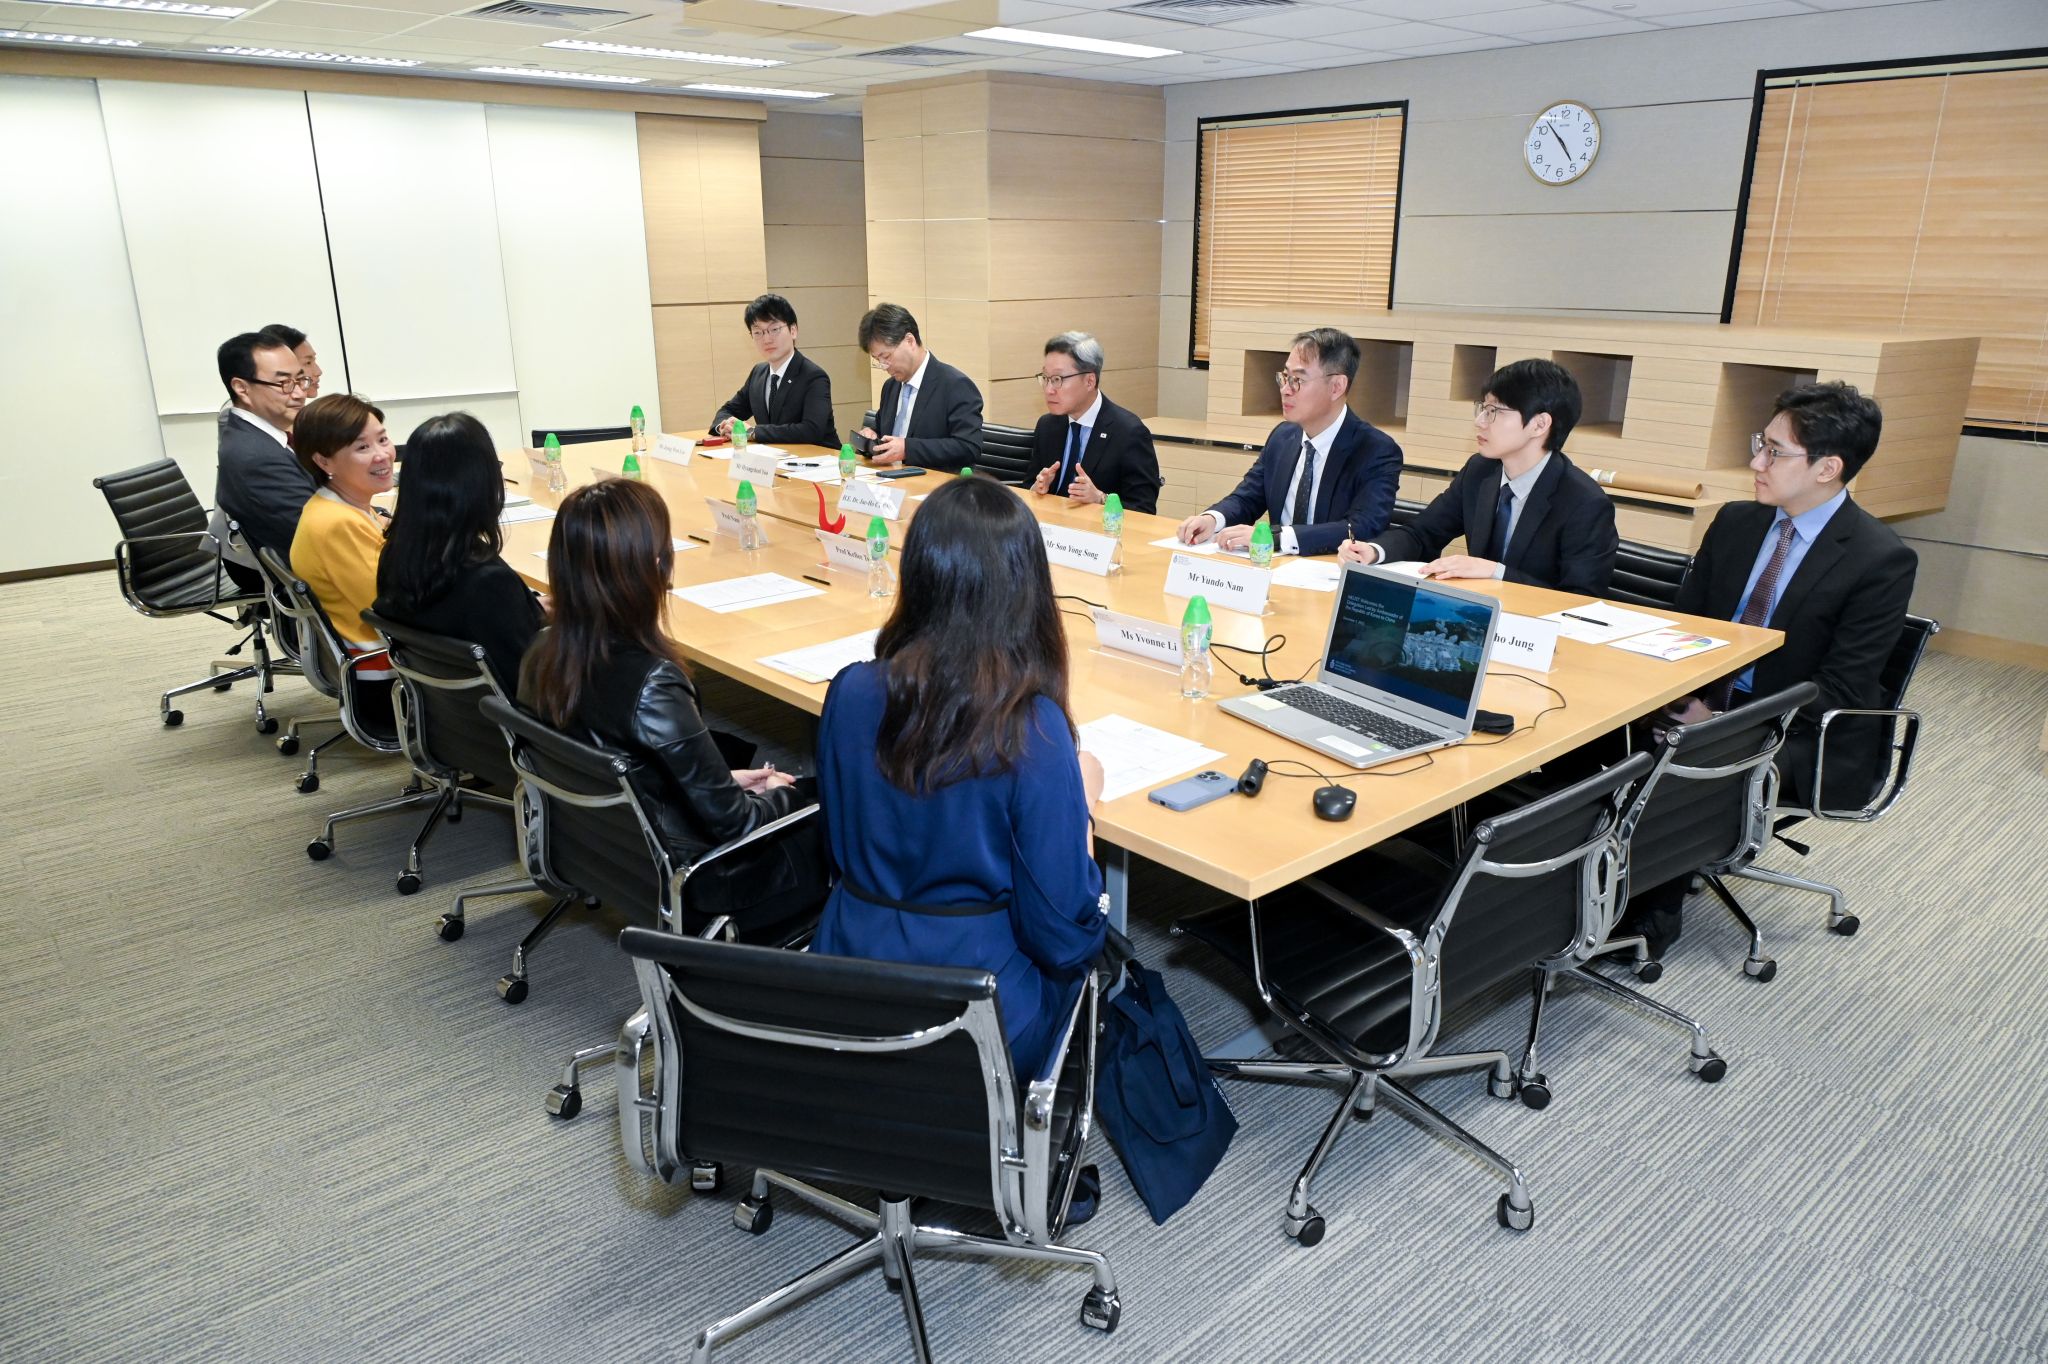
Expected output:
(290, 642)
(169, 563)
(1405, 512)
(1371, 987)
(584, 435)
(1648, 575)
(1005, 453)
(1900, 735)
(872, 1074)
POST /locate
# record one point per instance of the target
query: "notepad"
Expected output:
(823, 662)
(1136, 756)
(532, 511)
(1316, 575)
(1599, 622)
(741, 594)
(1669, 645)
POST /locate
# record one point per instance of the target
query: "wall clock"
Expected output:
(1562, 143)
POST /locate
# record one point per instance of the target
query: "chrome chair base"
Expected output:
(223, 673)
(1840, 920)
(894, 1244)
(1704, 1062)
(512, 988)
(1756, 965)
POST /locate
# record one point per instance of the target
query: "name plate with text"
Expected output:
(1524, 641)
(844, 553)
(725, 518)
(872, 499)
(674, 449)
(756, 464)
(1087, 550)
(1237, 586)
(1151, 639)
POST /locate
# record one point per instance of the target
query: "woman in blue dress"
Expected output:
(956, 802)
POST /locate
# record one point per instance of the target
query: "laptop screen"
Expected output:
(1407, 638)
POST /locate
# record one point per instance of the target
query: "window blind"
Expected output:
(1296, 212)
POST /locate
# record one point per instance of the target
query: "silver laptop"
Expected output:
(1400, 675)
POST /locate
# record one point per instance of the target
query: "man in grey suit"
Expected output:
(261, 486)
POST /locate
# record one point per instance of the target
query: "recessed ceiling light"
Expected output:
(536, 73)
(1036, 39)
(281, 54)
(670, 53)
(17, 36)
(189, 11)
(759, 90)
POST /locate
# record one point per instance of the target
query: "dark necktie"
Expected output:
(1757, 610)
(1070, 460)
(773, 381)
(1503, 517)
(1304, 490)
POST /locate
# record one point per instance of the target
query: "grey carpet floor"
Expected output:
(253, 1109)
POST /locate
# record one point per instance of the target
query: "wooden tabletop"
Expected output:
(1247, 847)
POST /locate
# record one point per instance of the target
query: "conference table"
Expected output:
(1247, 848)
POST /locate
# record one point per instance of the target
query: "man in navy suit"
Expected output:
(1085, 446)
(1528, 514)
(930, 413)
(1325, 472)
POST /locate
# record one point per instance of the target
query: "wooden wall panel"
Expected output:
(1049, 178)
(1038, 260)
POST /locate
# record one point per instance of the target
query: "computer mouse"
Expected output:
(1333, 802)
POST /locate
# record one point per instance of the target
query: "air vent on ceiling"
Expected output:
(575, 18)
(1206, 11)
(917, 56)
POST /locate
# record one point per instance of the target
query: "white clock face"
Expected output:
(1562, 143)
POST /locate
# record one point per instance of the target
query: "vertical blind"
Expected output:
(1296, 213)
(1915, 202)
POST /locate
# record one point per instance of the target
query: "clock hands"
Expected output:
(1569, 160)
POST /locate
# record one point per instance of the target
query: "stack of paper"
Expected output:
(529, 511)
(1669, 645)
(823, 662)
(1136, 756)
(1599, 622)
(810, 470)
(740, 594)
(1317, 575)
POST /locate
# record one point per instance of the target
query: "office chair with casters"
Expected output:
(882, 1076)
(290, 644)
(1901, 738)
(169, 563)
(1371, 987)
(1405, 512)
(1648, 575)
(449, 743)
(1005, 453)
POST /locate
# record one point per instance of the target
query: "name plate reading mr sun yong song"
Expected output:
(1083, 549)
(1237, 586)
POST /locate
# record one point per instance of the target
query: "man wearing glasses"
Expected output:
(787, 399)
(1527, 513)
(1325, 473)
(929, 413)
(1085, 446)
(261, 484)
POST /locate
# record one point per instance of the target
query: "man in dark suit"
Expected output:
(1325, 473)
(261, 485)
(930, 413)
(787, 399)
(1085, 446)
(1527, 513)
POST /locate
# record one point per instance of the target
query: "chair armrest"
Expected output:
(121, 551)
(1038, 1095)
(1893, 782)
(768, 830)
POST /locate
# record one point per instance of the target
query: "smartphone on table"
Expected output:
(1194, 791)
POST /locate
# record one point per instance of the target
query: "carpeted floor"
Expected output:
(254, 1110)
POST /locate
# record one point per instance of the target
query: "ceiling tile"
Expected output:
(1311, 21)
(1476, 43)
(1402, 36)
(1196, 66)
(103, 23)
(1775, 9)
(1437, 11)
(1530, 19)
(1134, 28)
(1016, 12)
(335, 18)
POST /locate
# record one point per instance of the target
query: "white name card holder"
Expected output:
(725, 519)
(674, 449)
(756, 464)
(1239, 587)
(537, 463)
(1087, 550)
(1524, 642)
(1135, 637)
(843, 553)
(872, 499)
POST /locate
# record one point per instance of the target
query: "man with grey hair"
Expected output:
(1085, 446)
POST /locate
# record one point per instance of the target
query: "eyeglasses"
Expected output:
(768, 333)
(1760, 446)
(285, 385)
(1292, 379)
(1052, 382)
(1487, 413)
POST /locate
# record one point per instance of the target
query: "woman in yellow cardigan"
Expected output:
(344, 446)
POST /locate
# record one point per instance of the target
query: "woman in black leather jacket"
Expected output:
(604, 668)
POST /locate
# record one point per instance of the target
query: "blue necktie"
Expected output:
(903, 409)
(1503, 515)
(1070, 459)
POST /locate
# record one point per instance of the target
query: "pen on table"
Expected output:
(700, 539)
(822, 582)
(1590, 620)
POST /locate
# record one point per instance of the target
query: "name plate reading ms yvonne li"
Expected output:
(1237, 586)
(756, 464)
(1524, 641)
(674, 449)
(1151, 639)
(844, 553)
(725, 519)
(872, 499)
(1087, 550)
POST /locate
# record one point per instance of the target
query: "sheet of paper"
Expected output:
(1407, 568)
(680, 545)
(1669, 645)
(1172, 542)
(714, 452)
(822, 662)
(1135, 757)
(1599, 622)
(741, 594)
(532, 511)
(810, 470)
(1317, 575)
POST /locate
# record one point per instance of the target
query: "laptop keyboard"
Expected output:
(1370, 723)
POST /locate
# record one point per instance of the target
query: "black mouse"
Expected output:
(1333, 802)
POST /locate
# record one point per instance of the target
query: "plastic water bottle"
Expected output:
(1261, 547)
(750, 527)
(638, 422)
(739, 434)
(631, 468)
(1195, 629)
(849, 463)
(878, 558)
(558, 480)
(1113, 517)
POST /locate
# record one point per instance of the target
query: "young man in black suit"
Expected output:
(260, 484)
(1325, 472)
(930, 413)
(787, 398)
(1527, 513)
(1085, 446)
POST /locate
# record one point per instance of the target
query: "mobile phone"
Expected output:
(904, 471)
(1190, 792)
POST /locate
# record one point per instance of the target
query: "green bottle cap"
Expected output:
(1112, 505)
(1197, 612)
(739, 428)
(1262, 532)
(745, 492)
(632, 465)
(878, 529)
(551, 443)
(846, 451)
(638, 415)
(966, 471)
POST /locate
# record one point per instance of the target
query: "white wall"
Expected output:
(74, 377)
